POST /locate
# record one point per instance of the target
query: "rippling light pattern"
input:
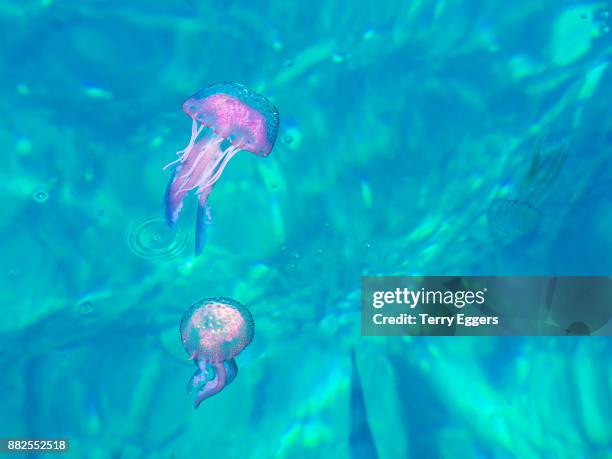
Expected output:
(151, 239)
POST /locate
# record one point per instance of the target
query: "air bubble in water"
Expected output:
(85, 307)
(40, 196)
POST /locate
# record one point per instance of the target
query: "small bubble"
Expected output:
(604, 29)
(319, 251)
(156, 237)
(14, 272)
(605, 14)
(291, 266)
(283, 247)
(297, 255)
(41, 196)
(288, 63)
(85, 307)
(100, 213)
(292, 138)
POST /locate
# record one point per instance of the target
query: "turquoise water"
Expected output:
(401, 123)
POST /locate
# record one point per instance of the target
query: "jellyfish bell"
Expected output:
(213, 332)
(513, 219)
(234, 112)
(216, 329)
(510, 220)
(235, 118)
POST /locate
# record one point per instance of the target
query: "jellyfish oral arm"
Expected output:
(184, 179)
(182, 154)
(199, 378)
(212, 386)
(220, 164)
(207, 387)
(202, 220)
(200, 167)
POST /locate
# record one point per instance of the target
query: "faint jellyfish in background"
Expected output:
(213, 332)
(513, 218)
(238, 119)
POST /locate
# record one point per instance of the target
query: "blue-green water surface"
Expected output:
(401, 123)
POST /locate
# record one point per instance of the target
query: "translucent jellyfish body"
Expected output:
(213, 332)
(510, 219)
(226, 118)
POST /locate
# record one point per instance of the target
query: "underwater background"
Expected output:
(446, 137)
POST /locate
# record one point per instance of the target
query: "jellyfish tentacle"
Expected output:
(543, 172)
(202, 165)
(535, 165)
(185, 178)
(228, 154)
(204, 157)
(182, 154)
(173, 199)
(196, 129)
(172, 163)
(214, 385)
(199, 377)
(219, 159)
(231, 370)
(202, 220)
(556, 162)
(195, 132)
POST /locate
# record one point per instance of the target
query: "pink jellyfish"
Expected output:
(238, 119)
(213, 332)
